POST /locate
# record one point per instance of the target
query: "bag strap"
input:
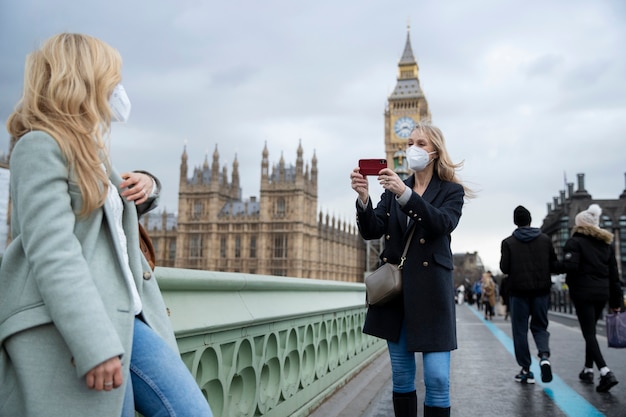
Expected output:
(406, 247)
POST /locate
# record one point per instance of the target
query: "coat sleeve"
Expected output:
(372, 222)
(41, 192)
(616, 296)
(571, 256)
(152, 202)
(505, 258)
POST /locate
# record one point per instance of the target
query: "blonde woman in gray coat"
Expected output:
(83, 326)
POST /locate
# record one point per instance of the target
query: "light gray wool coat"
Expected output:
(65, 305)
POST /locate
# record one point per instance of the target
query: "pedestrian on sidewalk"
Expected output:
(423, 317)
(489, 295)
(478, 293)
(592, 278)
(460, 294)
(528, 258)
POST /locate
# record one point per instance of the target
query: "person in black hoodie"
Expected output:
(528, 258)
(592, 278)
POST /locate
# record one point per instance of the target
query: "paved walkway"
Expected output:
(482, 377)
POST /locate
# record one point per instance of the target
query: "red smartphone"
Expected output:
(371, 166)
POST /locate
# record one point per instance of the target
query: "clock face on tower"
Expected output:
(403, 127)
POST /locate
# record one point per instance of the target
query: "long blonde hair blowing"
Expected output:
(67, 84)
(444, 167)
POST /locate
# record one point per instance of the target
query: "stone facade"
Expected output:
(563, 209)
(280, 233)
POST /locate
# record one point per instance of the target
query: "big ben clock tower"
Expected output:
(405, 106)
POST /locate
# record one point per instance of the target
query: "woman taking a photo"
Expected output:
(422, 318)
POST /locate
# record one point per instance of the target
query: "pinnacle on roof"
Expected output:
(407, 55)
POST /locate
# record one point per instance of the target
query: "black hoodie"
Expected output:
(528, 258)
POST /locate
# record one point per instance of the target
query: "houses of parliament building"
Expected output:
(280, 233)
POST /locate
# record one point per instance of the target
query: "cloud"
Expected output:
(523, 91)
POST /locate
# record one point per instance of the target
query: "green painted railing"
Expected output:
(263, 345)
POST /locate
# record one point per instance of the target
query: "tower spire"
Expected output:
(407, 56)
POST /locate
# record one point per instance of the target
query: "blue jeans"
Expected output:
(160, 383)
(436, 372)
(535, 308)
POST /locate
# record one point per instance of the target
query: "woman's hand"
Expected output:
(138, 186)
(359, 184)
(106, 376)
(389, 180)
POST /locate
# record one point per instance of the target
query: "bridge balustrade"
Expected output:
(561, 302)
(264, 345)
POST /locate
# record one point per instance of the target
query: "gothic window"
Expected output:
(253, 246)
(195, 246)
(280, 246)
(237, 246)
(172, 250)
(197, 210)
(223, 246)
(280, 207)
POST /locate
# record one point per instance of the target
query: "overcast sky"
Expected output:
(526, 92)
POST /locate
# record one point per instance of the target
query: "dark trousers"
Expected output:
(534, 309)
(588, 313)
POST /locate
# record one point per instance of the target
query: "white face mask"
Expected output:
(418, 158)
(120, 104)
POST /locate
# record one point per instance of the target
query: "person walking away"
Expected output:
(460, 291)
(421, 319)
(593, 279)
(489, 295)
(528, 258)
(478, 293)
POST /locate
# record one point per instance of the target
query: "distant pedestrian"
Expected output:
(460, 294)
(592, 277)
(527, 256)
(489, 295)
(478, 293)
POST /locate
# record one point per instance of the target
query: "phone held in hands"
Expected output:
(371, 166)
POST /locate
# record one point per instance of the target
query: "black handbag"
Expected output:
(616, 330)
(385, 283)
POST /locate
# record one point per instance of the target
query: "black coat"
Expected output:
(528, 258)
(589, 259)
(427, 302)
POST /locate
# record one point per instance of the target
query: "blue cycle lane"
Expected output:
(480, 360)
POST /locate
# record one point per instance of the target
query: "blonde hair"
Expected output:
(443, 165)
(67, 84)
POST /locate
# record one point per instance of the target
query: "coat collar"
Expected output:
(594, 232)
